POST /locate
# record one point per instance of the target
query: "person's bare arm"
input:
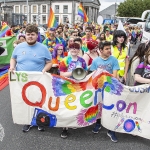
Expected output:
(47, 66)
(140, 79)
(126, 68)
(12, 65)
(86, 58)
(115, 73)
(66, 74)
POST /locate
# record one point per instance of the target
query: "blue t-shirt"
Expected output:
(109, 65)
(31, 58)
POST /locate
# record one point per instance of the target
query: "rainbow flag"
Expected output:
(82, 13)
(52, 22)
(5, 27)
(4, 77)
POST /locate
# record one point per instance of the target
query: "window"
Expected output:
(34, 9)
(65, 18)
(43, 8)
(16, 9)
(34, 18)
(56, 8)
(44, 19)
(65, 9)
(25, 9)
(57, 18)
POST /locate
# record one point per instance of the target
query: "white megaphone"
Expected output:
(79, 73)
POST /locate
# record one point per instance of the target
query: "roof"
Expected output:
(109, 10)
(84, 1)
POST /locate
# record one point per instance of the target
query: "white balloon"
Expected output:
(100, 20)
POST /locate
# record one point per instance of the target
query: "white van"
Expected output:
(141, 24)
(146, 29)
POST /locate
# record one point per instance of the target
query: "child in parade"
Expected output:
(67, 65)
(109, 63)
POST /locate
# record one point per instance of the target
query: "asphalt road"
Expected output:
(79, 139)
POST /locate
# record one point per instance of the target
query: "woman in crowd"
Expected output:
(22, 38)
(57, 56)
(120, 51)
(103, 37)
(97, 31)
(142, 73)
(137, 58)
(92, 52)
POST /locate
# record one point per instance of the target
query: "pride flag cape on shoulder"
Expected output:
(82, 13)
(5, 27)
(52, 22)
(4, 77)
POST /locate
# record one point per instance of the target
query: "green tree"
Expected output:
(133, 8)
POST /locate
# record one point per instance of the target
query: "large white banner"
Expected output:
(55, 101)
(128, 112)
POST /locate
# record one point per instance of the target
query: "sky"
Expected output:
(107, 3)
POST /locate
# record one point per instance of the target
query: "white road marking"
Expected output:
(2, 134)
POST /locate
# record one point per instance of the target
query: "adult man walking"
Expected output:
(31, 56)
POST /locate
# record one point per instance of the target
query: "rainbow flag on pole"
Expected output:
(52, 22)
(82, 13)
(5, 27)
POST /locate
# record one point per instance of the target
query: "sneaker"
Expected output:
(64, 133)
(40, 128)
(96, 128)
(112, 136)
(26, 128)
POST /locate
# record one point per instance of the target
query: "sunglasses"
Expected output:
(60, 49)
(75, 35)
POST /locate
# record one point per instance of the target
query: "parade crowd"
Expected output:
(89, 45)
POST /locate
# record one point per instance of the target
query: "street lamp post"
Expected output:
(27, 12)
(115, 11)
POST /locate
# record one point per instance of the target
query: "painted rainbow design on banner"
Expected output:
(89, 116)
(64, 86)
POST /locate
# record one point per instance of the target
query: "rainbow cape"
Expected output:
(5, 27)
(4, 77)
(82, 13)
(52, 22)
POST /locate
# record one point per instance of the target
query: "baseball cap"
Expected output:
(107, 29)
(52, 29)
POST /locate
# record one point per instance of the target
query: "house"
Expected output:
(38, 10)
(109, 12)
